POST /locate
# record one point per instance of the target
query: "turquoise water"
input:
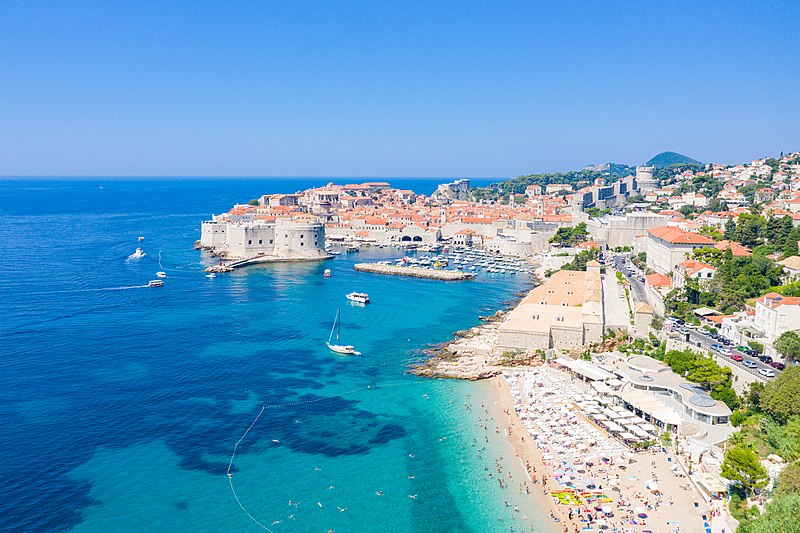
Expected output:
(121, 405)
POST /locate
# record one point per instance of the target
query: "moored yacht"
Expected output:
(360, 297)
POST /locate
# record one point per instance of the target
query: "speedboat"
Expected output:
(138, 254)
(360, 297)
(161, 274)
(155, 283)
(211, 275)
(327, 273)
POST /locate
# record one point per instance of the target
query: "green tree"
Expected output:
(790, 247)
(789, 478)
(708, 373)
(253, 202)
(777, 230)
(709, 255)
(781, 397)
(750, 229)
(788, 345)
(782, 516)
(741, 465)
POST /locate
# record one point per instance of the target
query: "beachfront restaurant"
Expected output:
(651, 380)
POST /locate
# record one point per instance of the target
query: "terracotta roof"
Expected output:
(678, 236)
(774, 300)
(691, 267)
(658, 280)
(736, 248)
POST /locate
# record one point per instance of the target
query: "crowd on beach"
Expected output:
(594, 481)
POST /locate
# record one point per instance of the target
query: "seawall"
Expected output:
(414, 272)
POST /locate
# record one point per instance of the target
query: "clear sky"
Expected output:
(404, 88)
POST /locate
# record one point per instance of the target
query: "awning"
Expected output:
(600, 387)
(705, 311)
(651, 406)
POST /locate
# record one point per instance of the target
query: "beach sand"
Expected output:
(675, 507)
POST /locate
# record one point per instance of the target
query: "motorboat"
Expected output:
(327, 273)
(161, 274)
(155, 283)
(344, 349)
(359, 297)
(211, 275)
(138, 254)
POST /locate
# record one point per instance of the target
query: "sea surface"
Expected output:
(120, 405)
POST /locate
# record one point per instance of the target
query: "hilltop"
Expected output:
(666, 159)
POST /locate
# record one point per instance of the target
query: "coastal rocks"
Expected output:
(471, 355)
(414, 272)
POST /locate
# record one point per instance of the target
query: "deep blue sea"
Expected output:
(120, 405)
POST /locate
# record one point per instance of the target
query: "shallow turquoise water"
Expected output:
(121, 406)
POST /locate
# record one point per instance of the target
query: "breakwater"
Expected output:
(414, 272)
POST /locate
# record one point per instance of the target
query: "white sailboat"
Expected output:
(344, 349)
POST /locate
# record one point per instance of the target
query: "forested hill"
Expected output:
(667, 159)
(577, 178)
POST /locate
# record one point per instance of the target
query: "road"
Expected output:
(702, 341)
(693, 337)
(637, 287)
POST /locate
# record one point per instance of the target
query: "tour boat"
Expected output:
(327, 273)
(344, 349)
(138, 254)
(161, 274)
(360, 297)
(155, 283)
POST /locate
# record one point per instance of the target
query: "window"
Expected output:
(260, 241)
(249, 242)
(270, 241)
(301, 244)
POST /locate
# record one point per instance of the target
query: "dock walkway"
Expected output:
(414, 272)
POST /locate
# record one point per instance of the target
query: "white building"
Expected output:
(692, 269)
(667, 246)
(776, 314)
(302, 238)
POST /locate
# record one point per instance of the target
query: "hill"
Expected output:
(665, 159)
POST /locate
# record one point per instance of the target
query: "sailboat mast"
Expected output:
(333, 327)
(339, 331)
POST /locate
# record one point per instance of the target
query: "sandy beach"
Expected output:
(627, 506)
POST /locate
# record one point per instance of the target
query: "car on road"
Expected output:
(716, 347)
(765, 359)
(750, 364)
(737, 357)
(777, 365)
(726, 352)
(766, 372)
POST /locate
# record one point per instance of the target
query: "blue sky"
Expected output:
(390, 88)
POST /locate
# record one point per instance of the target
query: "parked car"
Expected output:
(765, 359)
(777, 365)
(726, 352)
(737, 357)
(726, 342)
(752, 353)
(766, 372)
(750, 364)
(743, 349)
(716, 347)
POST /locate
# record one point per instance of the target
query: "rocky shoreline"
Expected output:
(473, 353)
